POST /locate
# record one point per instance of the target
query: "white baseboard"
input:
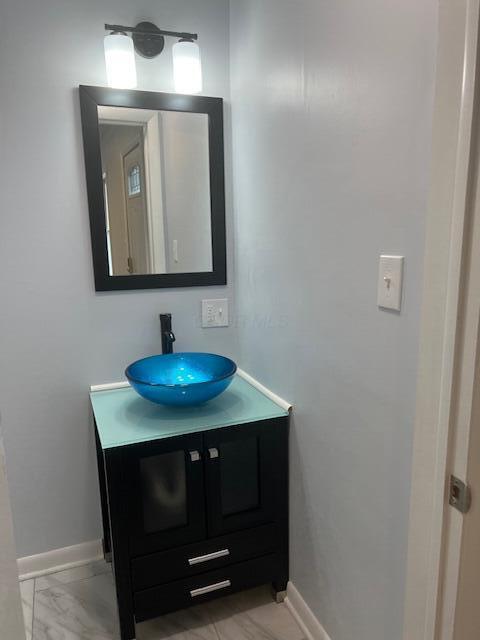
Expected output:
(304, 616)
(59, 559)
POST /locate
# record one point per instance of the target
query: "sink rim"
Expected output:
(229, 374)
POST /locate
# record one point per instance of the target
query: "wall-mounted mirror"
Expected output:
(155, 179)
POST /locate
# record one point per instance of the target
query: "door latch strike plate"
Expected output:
(460, 495)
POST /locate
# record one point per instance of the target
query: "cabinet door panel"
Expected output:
(165, 484)
(241, 466)
(239, 475)
(164, 491)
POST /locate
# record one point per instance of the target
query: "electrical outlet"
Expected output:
(215, 313)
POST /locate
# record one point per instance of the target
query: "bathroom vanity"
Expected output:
(194, 500)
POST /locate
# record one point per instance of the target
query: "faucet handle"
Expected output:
(168, 337)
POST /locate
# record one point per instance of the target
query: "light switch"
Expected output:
(215, 313)
(390, 281)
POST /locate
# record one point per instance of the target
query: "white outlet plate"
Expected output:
(215, 313)
(390, 282)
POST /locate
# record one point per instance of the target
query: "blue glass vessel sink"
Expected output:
(181, 379)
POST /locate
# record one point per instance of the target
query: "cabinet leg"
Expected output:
(126, 626)
(127, 637)
(118, 539)
(127, 633)
(107, 553)
(279, 590)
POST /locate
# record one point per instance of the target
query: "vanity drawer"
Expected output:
(206, 586)
(181, 562)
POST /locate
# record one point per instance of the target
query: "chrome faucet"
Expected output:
(168, 337)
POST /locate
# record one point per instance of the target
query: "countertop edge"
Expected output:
(127, 443)
(284, 404)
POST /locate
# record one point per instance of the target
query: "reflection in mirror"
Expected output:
(156, 181)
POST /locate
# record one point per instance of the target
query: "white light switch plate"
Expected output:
(215, 313)
(390, 282)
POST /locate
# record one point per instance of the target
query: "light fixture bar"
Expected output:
(117, 28)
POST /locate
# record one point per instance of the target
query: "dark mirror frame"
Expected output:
(90, 99)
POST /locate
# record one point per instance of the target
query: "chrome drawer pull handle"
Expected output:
(211, 587)
(194, 456)
(209, 556)
(213, 453)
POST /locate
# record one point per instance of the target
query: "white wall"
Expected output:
(186, 168)
(56, 335)
(331, 110)
(11, 615)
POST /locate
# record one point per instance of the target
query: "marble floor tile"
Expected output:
(253, 615)
(80, 604)
(86, 610)
(81, 610)
(72, 575)
(190, 624)
(27, 590)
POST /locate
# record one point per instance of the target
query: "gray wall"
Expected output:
(331, 161)
(186, 166)
(11, 617)
(331, 138)
(56, 335)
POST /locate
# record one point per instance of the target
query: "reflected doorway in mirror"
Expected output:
(157, 190)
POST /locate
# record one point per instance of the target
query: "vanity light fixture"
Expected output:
(187, 67)
(149, 41)
(120, 61)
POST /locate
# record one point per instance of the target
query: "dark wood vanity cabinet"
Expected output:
(196, 516)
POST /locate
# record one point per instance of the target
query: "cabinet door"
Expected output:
(242, 467)
(165, 484)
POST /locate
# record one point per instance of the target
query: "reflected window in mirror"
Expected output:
(160, 220)
(134, 181)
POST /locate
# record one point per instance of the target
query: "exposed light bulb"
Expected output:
(187, 67)
(120, 61)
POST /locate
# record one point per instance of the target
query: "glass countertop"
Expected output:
(124, 418)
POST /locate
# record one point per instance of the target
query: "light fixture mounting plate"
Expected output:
(145, 45)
